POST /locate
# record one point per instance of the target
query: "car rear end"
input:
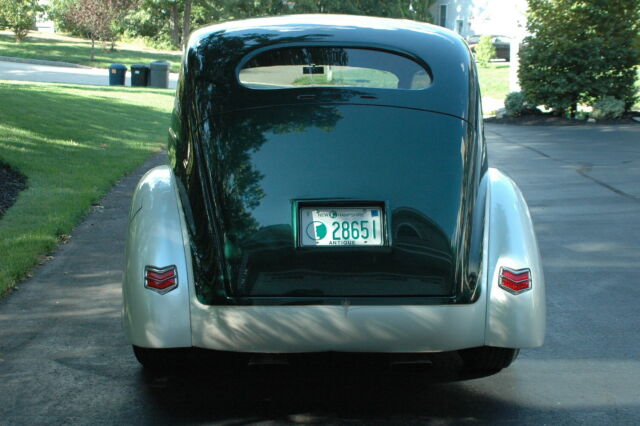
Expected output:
(330, 182)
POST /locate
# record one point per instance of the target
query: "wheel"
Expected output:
(488, 358)
(161, 359)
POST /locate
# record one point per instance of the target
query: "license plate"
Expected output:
(340, 226)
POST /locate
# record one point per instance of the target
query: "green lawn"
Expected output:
(72, 143)
(53, 47)
(494, 80)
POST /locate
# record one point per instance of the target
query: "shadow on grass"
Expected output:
(111, 89)
(79, 51)
(89, 120)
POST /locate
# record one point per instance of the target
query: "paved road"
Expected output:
(63, 358)
(55, 74)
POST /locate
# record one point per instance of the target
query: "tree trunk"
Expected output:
(186, 22)
(93, 47)
(175, 25)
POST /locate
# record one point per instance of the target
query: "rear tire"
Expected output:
(488, 359)
(161, 359)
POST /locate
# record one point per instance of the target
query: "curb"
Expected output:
(42, 62)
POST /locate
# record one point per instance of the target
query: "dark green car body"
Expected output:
(246, 160)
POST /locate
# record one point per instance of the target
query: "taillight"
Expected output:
(515, 280)
(161, 280)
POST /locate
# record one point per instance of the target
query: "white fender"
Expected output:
(513, 320)
(157, 237)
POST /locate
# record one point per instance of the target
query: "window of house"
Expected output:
(443, 15)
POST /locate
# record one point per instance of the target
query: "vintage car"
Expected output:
(328, 190)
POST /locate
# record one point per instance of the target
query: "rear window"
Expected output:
(293, 67)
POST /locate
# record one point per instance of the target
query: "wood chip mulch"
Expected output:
(11, 183)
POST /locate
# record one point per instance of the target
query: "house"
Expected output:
(43, 22)
(491, 17)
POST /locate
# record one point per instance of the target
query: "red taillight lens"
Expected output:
(161, 280)
(515, 280)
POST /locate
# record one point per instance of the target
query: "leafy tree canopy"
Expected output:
(579, 51)
(167, 22)
(19, 16)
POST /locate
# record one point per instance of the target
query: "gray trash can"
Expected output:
(117, 73)
(159, 74)
(139, 75)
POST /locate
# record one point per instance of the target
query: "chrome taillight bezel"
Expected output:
(163, 275)
(518, 276)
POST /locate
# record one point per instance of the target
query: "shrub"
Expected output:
(485, 50)
(579, 51)
(608, 107)
(19, 16)
(515, 104)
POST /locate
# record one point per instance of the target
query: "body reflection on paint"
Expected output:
(324, 130)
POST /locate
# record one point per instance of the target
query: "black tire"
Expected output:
(488, 358)
(162, 359)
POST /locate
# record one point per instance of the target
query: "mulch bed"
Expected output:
(552, 120)
(11, 183)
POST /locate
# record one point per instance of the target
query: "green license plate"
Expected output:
(340, 226)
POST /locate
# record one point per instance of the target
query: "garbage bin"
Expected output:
(139, 75)
(117, 72)
(159, 74)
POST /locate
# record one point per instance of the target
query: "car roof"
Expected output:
(215, 54)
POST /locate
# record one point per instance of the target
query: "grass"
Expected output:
(353, 77)
(54, 47)
(72, 143)
(494, 80)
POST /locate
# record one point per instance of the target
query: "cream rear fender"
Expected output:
(512, 320)
(156, 237)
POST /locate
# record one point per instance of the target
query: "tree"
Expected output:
(58, 12)
(485, 50)
(170, 21)
(579, 51)
(406, 9)
(96, 18)
(19, 16)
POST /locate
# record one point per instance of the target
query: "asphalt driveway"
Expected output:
(63, 358)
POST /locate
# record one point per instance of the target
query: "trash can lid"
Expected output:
(160, 64)
(117, 66)
(139, 66)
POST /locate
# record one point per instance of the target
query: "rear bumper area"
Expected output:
(290, 329)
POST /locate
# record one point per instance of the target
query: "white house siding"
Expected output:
(469, 17)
